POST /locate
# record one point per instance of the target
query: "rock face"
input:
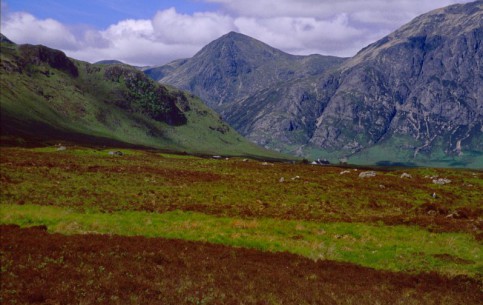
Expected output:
(423, 83)
(415, 96)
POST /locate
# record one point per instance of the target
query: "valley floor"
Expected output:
(86, 226)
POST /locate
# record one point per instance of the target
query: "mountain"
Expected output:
(415, 94)
(118, 62)
(235, 67)
(413, 97)
(158, 73)
(47, 97)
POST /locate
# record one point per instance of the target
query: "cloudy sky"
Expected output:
(154, 32)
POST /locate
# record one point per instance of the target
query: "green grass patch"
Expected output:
(395, 248)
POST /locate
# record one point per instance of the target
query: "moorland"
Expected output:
(142, 226)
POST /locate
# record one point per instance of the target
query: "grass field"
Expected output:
(387, 224)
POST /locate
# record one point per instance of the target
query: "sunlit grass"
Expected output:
(396, 248)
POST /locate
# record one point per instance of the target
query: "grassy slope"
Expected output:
(44, 103)
(384, 222)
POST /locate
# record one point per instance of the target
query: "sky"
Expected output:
(155, 32)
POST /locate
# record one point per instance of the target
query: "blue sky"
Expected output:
(154, 32)
(102, 13)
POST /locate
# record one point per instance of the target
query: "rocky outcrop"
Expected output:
(142, 95)
(36, 55)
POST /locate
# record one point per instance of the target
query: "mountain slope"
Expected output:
(414, 96)
(235, 67)
(46, 96)
(419, 88)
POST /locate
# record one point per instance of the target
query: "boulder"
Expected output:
(441, 181)
(367, 174)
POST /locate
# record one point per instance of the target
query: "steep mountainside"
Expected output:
(235, 67)
(420, 90)
(48, 97)
(414, 96)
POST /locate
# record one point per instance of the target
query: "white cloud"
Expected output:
(328, 27)
(132, 41)
(172, 27)
(305, 35)
(328, 8)
(25, 28)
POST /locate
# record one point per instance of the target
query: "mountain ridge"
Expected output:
(413, 96)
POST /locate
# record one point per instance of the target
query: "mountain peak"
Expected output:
(235, 36)
(428, 31)
(235, 66)
(236, 45)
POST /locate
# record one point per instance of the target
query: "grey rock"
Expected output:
(367, 174)
(441, 181)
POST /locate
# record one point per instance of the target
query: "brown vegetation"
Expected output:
(43, 268)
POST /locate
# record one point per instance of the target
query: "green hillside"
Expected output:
(48, 98)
